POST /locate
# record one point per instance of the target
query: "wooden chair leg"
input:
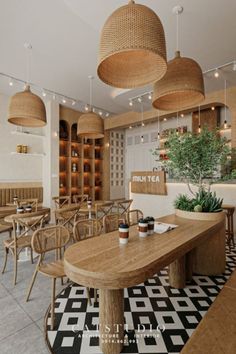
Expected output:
(32, 284)
(53, 302)
(95, 295)
(5, 260)
(31, 255)
(88, 296)
(15, 266)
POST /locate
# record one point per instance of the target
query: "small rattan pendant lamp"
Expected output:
(25, 108)
(90, 125)
(132, 47)
(183, 84)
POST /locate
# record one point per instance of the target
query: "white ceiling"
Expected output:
(65, 37)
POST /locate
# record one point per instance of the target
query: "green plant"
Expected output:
(196, 158)
(204, 201)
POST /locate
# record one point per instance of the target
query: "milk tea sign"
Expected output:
(148, 182)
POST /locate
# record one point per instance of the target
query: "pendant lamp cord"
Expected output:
(142, 111)
(177, 32)
(90, 91)
(28, 49)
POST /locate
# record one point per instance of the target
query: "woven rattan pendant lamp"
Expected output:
(132, 47)
(183, 84)
(25, 108)
(90, 125)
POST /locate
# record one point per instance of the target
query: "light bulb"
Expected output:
(142, 139)
(130, 127)
(182, 115)
(100, 113)
(165, 119)
(199, 128)
(63, 100)
(10, 82)
(216, 74)
(212, 108)
(158, 135)
(150, 96)
(225, 124)
(131, 103)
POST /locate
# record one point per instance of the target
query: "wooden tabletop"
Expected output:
(101, 262)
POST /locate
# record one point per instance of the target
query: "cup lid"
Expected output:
(143, 221)
(124, 226)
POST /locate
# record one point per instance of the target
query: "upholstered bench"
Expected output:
(216, 333)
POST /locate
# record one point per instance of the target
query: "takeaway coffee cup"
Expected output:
(150, 220)
(28, 209)
(20, 210)
(124, 233)
(89, 204)
(143, 227)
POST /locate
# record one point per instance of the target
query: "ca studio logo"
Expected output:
(116, 328)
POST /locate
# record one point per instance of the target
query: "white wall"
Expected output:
(17, 168)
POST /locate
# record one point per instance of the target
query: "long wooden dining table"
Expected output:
(102, 263)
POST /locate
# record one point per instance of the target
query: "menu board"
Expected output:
(146, 182)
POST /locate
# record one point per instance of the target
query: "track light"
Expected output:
(53, 97)
(216, 73)
(143, 125)
(150, 96)
(139, 99)
(73, 103)
(44, 94)
(234, 66)
(131, 103)
(212, 108)
(100, 113)
(107, 114)
(182, 115)
(130, 127)
(165, 119)
(10, 82)
(63, 100)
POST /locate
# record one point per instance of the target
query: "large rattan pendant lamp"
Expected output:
(90, 125)
(25, 108)
(183, 84)
(132, 47)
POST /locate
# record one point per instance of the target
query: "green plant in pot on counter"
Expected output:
(196, 159)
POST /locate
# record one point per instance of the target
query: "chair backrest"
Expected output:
(86, 228)
(50, 238)
(133, 216)
(33, 202)
(111, 222)
(61, 202)
(123, 206)
(67, 216)
(103, 209)
(24, 224)
(80, 198)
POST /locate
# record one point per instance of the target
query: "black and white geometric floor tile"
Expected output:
(149, 308)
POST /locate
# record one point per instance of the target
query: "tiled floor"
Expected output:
(147, 306)
(21, 322)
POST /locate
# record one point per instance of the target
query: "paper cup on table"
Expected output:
(28, 209)
(89, 204)
(143, 228)
(124, 233)
(151, 221)
(20, 210)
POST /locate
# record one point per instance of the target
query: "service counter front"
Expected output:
(159, 205)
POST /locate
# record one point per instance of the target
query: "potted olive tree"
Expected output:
(197, 159)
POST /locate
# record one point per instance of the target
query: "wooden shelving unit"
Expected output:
(81, 163)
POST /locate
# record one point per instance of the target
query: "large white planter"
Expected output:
(200, 216)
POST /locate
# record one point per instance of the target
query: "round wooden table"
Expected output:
(102, 263)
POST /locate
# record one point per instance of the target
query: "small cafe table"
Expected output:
(102, 263)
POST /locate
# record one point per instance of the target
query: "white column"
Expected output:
(51, 159)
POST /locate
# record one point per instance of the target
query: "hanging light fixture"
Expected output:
(132, 47)
(141, 104)
(90, 124)
(158, 126)
(25, 108)
(183, 85)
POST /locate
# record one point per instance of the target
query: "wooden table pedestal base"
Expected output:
(177, 273)
(111, 320)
